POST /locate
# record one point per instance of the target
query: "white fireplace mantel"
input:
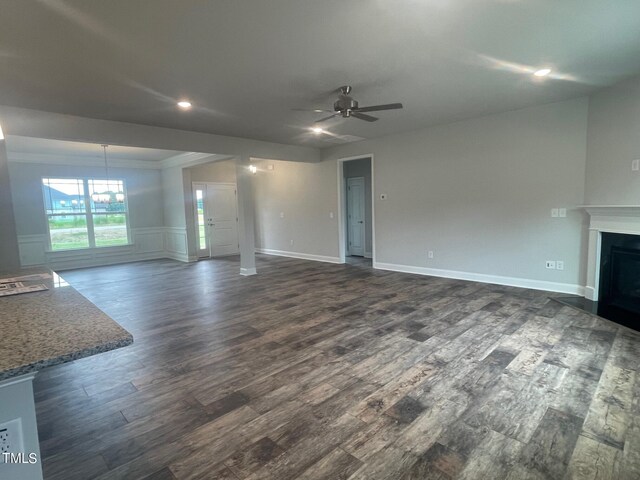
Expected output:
(612, 219)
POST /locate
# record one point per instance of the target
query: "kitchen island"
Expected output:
(37, 330)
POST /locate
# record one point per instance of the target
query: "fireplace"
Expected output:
(619, 292)
(612, 287)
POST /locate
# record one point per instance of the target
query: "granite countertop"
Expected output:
(45, 328)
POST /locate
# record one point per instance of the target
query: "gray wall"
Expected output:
(9, 257)
(221, 171)
(362, 168)
(613, 143)
(306, 194)
(173, 197)
(143, 189)
(479, 193)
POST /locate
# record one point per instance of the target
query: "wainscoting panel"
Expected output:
(175, 244)
(148, 240)
(147, 244)
(33, 249)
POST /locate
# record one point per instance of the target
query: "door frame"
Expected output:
(342, 207)
(195, 214)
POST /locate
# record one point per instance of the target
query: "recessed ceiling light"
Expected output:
(317, 130)
(543, 72)
(184, 104)
(317, 110)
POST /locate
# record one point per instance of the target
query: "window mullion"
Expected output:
(89, 216)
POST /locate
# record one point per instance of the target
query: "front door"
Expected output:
(355, 216)
(216, 219)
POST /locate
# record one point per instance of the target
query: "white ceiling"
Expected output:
(43, 148)
(246, 64)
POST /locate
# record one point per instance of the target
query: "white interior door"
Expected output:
(355, 216)
(216, 219)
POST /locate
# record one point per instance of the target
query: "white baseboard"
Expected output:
(302, 256)
(483, 278)
(181, 257)
(368, 255)
(590, 294)
(246, 272)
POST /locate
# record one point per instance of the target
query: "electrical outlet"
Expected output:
(11, 438)
(635, 165)
(559, 265)
(555, 212)
(430, 254)
(281, 214)
(291, 242)
(562, 212)
(330, 214)
(550, 264)
(270, 166)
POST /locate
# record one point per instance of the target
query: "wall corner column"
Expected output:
(246, 216)
(9, 252)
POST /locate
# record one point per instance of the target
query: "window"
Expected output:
(202, 237)
(85, 212)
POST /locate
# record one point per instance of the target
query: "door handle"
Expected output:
(360, 221)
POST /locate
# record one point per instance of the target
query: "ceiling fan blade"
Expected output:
(316, 110)
(377, 108)
(362, 116)
(327, 118)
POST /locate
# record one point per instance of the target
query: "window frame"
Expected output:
(88, 212)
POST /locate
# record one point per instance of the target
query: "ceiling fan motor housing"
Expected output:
(345, 104)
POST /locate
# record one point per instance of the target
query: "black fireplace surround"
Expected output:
(619, 298)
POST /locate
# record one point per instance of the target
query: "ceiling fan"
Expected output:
(346, 107)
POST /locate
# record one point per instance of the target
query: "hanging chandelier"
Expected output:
(108, 196)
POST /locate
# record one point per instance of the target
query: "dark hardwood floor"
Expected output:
(318, 371)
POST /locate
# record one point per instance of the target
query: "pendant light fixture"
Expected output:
(106, 197)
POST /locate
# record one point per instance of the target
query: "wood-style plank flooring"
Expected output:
(318, 371)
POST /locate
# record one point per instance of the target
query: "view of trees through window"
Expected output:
(85, 213)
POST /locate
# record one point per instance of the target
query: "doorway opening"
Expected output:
(215, 209)
(216, 219)
(357, 240)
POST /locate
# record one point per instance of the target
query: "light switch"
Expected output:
(330, 214)
(554, 212)
(635, 165)
(270, 166)
(562, 212)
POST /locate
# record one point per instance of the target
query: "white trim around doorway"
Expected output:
(342, 206)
